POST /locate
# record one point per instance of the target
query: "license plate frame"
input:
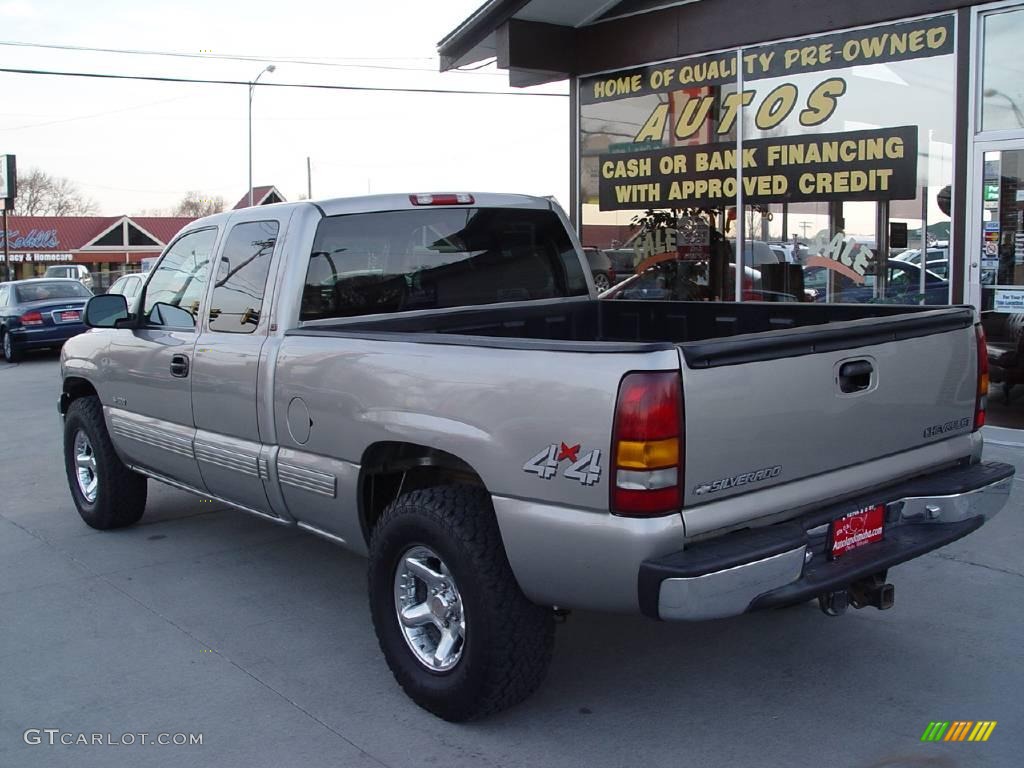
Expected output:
(856, 529)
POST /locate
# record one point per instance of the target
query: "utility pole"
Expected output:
(8, 193)
(309, 180)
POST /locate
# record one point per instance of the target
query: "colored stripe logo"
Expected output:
(959, 730)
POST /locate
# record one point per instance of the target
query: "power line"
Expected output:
(241, 57)
(266, 84)
(89, 117)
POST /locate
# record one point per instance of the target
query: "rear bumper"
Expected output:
(45, 336)
(787, 563)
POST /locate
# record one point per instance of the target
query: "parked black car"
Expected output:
(903, 284)
(40, 313)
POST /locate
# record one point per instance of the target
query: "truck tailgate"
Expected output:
(769, 408)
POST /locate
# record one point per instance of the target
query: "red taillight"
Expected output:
(32, 318)
(428, 199)
(647, 445)
(981, 398)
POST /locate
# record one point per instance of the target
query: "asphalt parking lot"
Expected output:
(202, 620)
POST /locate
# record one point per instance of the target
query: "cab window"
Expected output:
(242, 277)
(433, 258)
(180, 280)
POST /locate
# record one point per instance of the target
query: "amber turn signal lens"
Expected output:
(648, 454)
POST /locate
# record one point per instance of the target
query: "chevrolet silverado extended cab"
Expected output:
(430, 381)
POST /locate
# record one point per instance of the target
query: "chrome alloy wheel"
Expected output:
(85, 467)
(429, 609)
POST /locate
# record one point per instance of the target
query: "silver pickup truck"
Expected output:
(431, 381)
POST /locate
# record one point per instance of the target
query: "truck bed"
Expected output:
(708, 333)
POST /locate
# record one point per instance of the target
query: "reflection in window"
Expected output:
(180, 277)
(242, 277)
(1002, 87)
(438, 257)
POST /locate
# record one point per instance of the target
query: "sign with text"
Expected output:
(8, 181)
(854, 165)
(40, 258)
(894, 42)
(1009, 300)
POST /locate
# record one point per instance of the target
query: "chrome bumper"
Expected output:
(791, 561)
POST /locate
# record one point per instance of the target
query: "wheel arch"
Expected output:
(390, 467)
(75, 387)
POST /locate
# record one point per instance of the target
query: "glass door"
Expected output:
(996, 270)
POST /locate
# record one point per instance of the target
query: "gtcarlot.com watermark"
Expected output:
(55, 736)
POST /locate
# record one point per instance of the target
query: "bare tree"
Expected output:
(41, 194)
(197, 204)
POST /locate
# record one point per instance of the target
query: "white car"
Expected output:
(78, 272)
(128, 286)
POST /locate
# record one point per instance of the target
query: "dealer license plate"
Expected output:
(855, 530)
(70, 316)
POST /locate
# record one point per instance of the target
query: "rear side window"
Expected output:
(242, 277)
(434, 258)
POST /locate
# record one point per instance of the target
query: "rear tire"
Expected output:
(504, 642)
(11, 353)
(106, 493)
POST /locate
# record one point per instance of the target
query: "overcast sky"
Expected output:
(135, 146)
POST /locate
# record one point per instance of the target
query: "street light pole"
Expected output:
(252, 87)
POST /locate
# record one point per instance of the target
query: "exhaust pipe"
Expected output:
(833, 603)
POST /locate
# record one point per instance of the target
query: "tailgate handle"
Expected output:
(855, 376)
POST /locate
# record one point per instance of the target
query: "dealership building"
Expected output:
(862, 129)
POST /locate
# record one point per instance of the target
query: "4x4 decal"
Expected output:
(585, 470)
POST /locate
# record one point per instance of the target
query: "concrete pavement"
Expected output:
(203, 620)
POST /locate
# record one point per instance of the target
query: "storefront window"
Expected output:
(1002, 87)
(639, 139)
(840, 135)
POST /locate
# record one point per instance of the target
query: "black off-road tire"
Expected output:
(508, 640)
(11, 353)
(120, 493)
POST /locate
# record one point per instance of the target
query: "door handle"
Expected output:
(179, 366)
(855, 376)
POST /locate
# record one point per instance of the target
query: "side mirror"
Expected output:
(105, 311)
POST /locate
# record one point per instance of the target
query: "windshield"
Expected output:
(438, 257)
(51, 289)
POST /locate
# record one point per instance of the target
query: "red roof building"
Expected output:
(260, 196)
(108, 245)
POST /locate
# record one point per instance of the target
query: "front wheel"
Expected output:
(458, 634)
(601, 282)
(106, 493)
